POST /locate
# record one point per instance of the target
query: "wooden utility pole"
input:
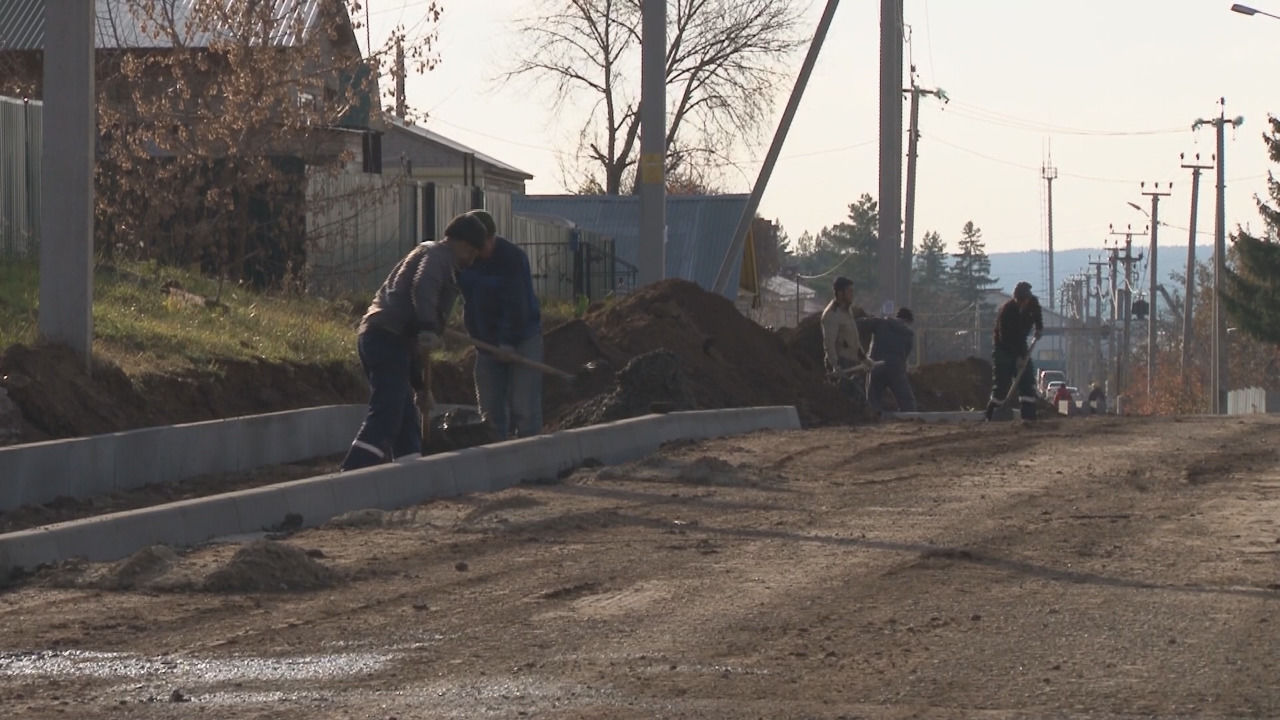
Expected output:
(401, 105)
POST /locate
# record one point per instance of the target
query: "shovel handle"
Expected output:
(508, 356)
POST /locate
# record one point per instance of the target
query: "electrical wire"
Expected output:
(996, 117)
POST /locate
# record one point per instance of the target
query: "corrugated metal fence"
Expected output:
(20, 140)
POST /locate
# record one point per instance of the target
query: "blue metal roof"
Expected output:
(121, 24)
(699, 228)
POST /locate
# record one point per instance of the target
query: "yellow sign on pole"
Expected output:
(651, 168)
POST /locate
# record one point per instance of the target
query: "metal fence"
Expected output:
(359, 226)
(20, 141)
(580, 267)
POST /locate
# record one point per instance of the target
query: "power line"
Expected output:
(997, 117)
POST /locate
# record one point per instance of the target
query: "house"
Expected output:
(332, 105)
(700, 229)
(211, 114)
(426, 155)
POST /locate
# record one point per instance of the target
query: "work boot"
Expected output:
(1028, 410)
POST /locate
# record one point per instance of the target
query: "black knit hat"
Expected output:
(467, 228)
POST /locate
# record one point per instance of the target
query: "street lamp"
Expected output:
(1246, 10)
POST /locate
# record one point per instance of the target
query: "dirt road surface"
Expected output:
(1077, 569)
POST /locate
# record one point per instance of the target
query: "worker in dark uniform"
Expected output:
(406, 317)
(892, 341)
(1010, 354)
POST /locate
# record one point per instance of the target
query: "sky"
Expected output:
(1110, 89)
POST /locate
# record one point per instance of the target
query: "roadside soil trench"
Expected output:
(1095, 568)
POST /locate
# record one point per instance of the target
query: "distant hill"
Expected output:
(1010, 268)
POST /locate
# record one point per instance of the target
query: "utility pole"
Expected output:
(1190, 284)
(401, 105)
(1122, 303)
(1050, 173)
(775, 148)
(67, 153)
(1153, 326)
(890, 204)
(1219, 382)
(651, 258)
(1096, 344)
(1097, 266)
(913, 140)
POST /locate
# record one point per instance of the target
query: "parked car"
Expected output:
(1046, 377)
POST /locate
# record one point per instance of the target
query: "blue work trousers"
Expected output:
(391, 428)
(510, 394)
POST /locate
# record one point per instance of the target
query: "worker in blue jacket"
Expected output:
(501, 309)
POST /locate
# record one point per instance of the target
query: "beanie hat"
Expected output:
(468, 229)
(486, 219)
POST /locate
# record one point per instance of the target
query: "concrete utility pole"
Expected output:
(890, 205)
(1153, 326)
(1050, 173)
(1122, 303)
(1096, 344)
(1219, 382)
(67, 154)
(775, 148)
(651, 258)
(1097, 266)
(913, 140)
(1190, 284)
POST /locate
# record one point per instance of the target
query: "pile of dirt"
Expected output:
(955, 385)
(267, 566)
(729, 360)
(140, 570)
(945, 386)
(58, 399)
(652, 382)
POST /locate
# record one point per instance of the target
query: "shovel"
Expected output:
(1017, 379)
(866, 366)
(511, 357)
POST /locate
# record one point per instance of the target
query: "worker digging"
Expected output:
(1011, 367)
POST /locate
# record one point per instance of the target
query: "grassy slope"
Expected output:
(142, 327)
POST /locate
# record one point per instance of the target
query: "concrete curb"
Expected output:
(36, 473)
(400, 484)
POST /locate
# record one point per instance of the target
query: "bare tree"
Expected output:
(724, 61)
